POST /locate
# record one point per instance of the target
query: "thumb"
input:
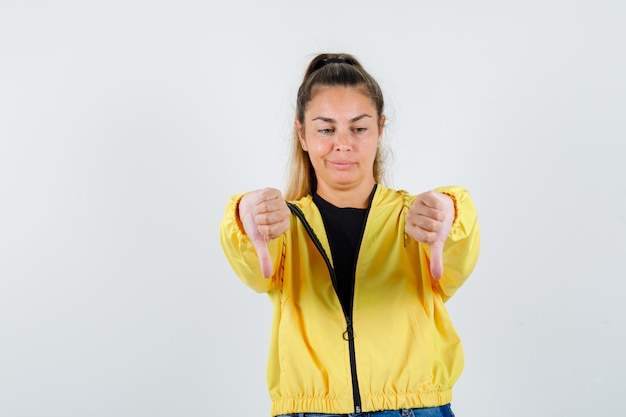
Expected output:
(436, 248)
(260, 244)
(263, 253)
(436, 259)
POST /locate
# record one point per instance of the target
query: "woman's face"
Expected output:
(341, 133)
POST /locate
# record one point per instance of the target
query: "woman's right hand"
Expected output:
(264, 215)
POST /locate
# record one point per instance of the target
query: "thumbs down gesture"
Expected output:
(264, 215)
(429, 221)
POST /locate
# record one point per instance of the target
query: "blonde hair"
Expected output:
(329, 70)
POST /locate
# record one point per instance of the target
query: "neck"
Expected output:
(354, 198)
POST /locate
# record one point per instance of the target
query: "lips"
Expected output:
(341, 164)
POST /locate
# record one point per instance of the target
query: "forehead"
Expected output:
(339, 98)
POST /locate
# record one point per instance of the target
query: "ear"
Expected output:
(300, 131)
(381, 127)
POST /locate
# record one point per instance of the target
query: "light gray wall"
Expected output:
(125, 126)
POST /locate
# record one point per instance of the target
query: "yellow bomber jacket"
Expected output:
(399, 349)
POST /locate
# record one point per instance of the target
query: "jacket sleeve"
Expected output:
(460, 252)
(240, 252)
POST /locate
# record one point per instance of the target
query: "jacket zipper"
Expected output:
(350, 329)
(349, 333)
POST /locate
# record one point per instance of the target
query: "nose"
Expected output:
(343, 142)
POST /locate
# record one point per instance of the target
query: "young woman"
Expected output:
(358, 273)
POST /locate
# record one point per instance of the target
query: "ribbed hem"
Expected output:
(369, 403)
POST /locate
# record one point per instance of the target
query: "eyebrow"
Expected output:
(330, 120)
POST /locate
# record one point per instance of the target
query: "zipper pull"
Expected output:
(348, 334)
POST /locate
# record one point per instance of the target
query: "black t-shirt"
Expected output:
(344, 228)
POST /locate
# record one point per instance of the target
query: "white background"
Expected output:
(126, 125)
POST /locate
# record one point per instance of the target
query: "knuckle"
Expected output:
(265, 219)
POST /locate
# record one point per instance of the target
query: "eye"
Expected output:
(326, 131)
(359, 130)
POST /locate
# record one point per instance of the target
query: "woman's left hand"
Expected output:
(429, 221)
